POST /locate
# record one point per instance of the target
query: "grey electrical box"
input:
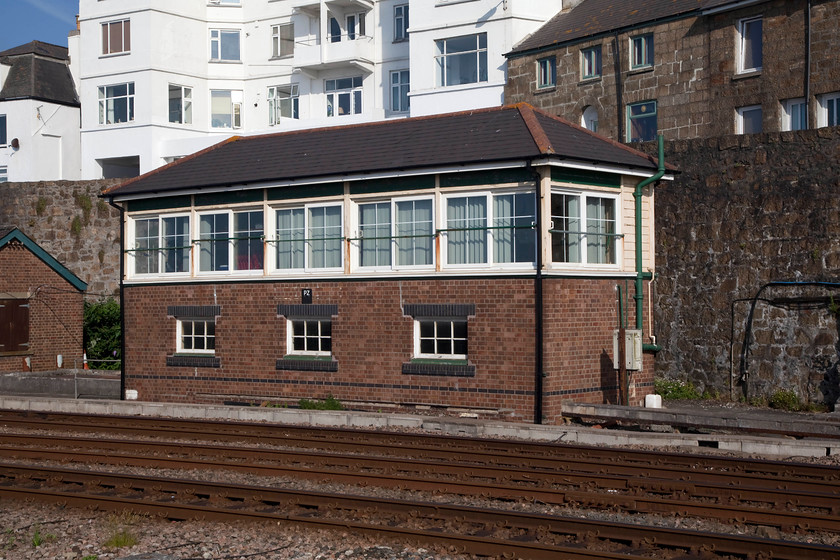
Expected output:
(632, 349)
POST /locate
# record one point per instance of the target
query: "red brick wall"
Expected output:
(55, 313)
(372, 339)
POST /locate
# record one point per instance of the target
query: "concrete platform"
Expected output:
(63, 383)
(770, 446)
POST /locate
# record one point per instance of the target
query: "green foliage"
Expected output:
(90, 557)
(84, 202)
(785, 400)
(10, 539)
(38, 539)
(676, 390)
(121, 538)
(119, 527)
(76, 226)
(330, 403)
(41, 205)
(102, 333)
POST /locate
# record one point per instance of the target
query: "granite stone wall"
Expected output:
(746, 211)
(69, 221)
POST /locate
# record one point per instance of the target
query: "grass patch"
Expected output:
(39, 538)
(784, 400)
(676, 390)
(120, 533)
(330, 403)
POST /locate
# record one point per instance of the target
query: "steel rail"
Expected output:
(450, 524)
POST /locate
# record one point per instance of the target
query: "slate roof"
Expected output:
(499, 134)
(598, 17)
(38, 71)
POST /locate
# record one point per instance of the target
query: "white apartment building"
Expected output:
(159, 80)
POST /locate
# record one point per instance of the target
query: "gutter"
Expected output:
(640, 275)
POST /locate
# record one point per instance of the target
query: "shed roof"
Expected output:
(38, 71)
(11, 234)
(598, 17)
(484, 136)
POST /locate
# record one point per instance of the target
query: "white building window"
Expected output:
(641, 51)
(309, 337)
(4, 138)
(230, 241)
(116, 37)
(4, 174)
(401, 22)
(584, 228)
(748, 120)
(641, 121)
(482, 229)
(282, 102)
(344, 96)
(590, 63)
(750, 44)
(224, 45)
(461, 60)
(282, 40)
(161, 245)
(196, 336)
(589, 118)
(546, 72)
(180, 104)
(355, 26)
(396, 233)
(829, 111)
(116, 103)
(225, 109)
(440, 339)
(399, 91)
(795, 115)
(309, 237)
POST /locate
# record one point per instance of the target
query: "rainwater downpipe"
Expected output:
(122, 298)
(640, 275)
(538, 303)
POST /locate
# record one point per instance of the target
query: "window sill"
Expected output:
(113, 55)
(220, 61)
(192, 360)
(640, 70)
(21, 353)
(282, 57)
(747, 74)
(444, 368)
(590, 80)
(545, 89)
(307, 363)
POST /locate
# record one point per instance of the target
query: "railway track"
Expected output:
(795, 498)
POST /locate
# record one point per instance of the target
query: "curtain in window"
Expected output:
(516, 244)
(247, 242)
(600, 227)
(325, 237)
(566, 239)
(468, 246)
(290, 238)
(213, 242)
(220, 109)
(752, 44)
(414, 219)
(176, 243)
(375, 231)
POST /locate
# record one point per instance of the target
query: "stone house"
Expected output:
(472, 261)
(41, 308)
(684, 68)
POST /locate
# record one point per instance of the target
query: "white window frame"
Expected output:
(179, 335)
(308, 335)
(547, 72)
(744, 27)
(443, 56)
(490, 236)
(829, 108)
(109, 49)
(632, 118)
(394, 241)
(641, 51)
(400, 22)
(355, 95)
(185, 104)
(590, 63)
(583, 240)
(231, 239)
(288, 102)
(105, 101)
(235, 114)
(217, 45)
(795, 114)
(161, 248)
(397, 87)
(356, 26)
(4, 174)
(306, 240)
(740, 112)
(437, 321)
(282, 41)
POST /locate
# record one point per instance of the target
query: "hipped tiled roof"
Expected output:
(38, 71)
(499, 134)
(597, 17)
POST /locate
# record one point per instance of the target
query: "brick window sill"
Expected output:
(305, 363)
(444, 368)
(182, 360)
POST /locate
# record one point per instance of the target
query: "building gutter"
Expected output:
(640, 275)
(122, 299)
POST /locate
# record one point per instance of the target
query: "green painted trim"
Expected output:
(49, 260)
(494, 177)
(162, 203)
(393, 184)
(581, 177)
(441, 361)
(306, 191)
(230, 197)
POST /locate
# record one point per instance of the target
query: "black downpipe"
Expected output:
(122, 299)
(808, 65)
(618, 88)
(538, 305)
